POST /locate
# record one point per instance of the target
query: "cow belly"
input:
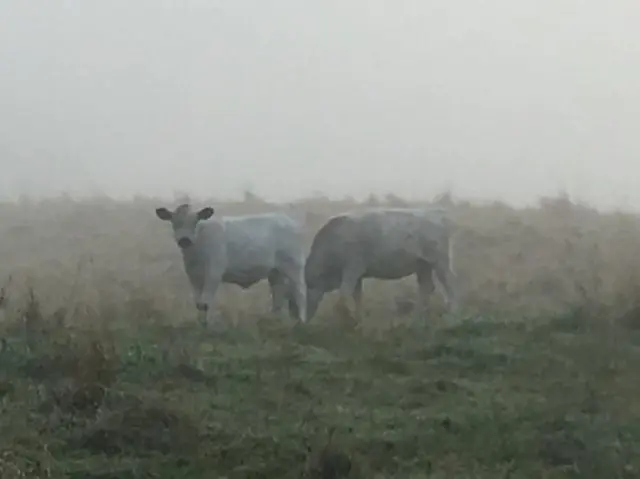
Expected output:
(391, 268)
(246, 277)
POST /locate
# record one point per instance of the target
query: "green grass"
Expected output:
(481, 398)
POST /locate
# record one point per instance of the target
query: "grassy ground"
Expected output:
(480, 398)
(105, 374)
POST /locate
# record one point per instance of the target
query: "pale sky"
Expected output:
(496, 99)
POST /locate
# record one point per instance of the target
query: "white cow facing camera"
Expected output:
(241, 250)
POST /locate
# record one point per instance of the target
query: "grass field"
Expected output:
(105, 373)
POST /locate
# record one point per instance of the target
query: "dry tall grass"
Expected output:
(86, 254)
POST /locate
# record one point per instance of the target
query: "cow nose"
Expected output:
(184, 242)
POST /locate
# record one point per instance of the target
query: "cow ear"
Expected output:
(205, 213)
(164, 214)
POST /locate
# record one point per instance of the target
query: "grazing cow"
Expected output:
(382, 243)
(241, 250)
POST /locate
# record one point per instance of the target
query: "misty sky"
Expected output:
(496, 99)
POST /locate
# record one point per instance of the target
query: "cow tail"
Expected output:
(451, 235)
(451, 265)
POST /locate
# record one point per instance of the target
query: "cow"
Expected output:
(381, 243)
(241, 250)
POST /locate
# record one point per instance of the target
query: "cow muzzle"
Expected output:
(184, 243)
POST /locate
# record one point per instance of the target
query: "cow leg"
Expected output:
(297, 287)
(201, 307)
(426, 287)
(351, 283)
(278, 287)
(294, 312)
(448, 281)
(205, 302)
(203, 313)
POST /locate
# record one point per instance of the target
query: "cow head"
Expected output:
(183, 222)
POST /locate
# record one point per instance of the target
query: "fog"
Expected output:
(497, 99)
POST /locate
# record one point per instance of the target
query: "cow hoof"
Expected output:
(202, 307)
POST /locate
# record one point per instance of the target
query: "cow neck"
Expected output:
(191, 255)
